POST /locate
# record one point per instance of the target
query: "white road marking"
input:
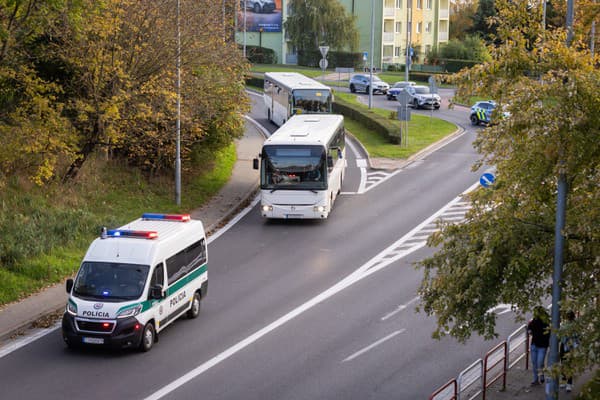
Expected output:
(377, 343)
(399, 308)
(24, 341)
(375, 264)
(363, 170)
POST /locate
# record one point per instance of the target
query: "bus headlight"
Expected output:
(319, 209)
(130, 312)
(267, 208)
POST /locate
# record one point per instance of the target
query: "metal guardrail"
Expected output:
(480, 375)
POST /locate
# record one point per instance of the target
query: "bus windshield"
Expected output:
(110, 281)
(294, 167)
(309, 101)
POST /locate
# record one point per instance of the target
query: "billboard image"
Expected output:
(265, 14)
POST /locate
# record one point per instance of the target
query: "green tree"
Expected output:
(312, 23)
(123, 85)
(36, 137)
(484, 24)
(461, 18)
(503, 253)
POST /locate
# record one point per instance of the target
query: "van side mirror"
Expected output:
(330, 161)
(255, 163)
(339, 153)
(156, 292)
(69, 285)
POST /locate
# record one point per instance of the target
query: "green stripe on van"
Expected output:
(195, 274)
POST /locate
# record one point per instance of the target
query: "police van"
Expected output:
(136, 280)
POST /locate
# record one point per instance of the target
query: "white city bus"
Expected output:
(289, 93)
(302, 167)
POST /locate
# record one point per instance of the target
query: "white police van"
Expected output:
(134, 281)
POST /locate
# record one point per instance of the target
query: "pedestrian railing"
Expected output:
(480, 375)
(495, 366)
(446, 392)
(470, 381)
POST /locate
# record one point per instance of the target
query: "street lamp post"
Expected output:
(178, 123)
(559, 242)
(245, 1)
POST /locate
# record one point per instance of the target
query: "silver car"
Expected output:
(421, 97)
(361, 83)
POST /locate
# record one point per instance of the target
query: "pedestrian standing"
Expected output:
(539, 329)
(567, 344)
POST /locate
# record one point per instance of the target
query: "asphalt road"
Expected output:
(295, 309)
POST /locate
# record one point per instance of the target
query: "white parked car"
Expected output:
(421, 97)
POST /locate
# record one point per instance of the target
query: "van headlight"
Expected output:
(319, 209)
(130, 312)
(267, 208)
(71, 308)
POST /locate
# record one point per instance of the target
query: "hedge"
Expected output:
(377, 123)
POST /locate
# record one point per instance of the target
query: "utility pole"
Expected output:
(408, 38)
(559, 242)
(372, 45)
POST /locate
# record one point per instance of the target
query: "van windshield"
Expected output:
(110, 281)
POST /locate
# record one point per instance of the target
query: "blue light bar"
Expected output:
(115, 233)
(167, 217)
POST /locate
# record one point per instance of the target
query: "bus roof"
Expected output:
(307, 129)
(294, 80)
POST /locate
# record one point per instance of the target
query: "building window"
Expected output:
(428, 4)
(419, 4)
(397, 51)
(419, 27)
(398, 3)
(398, 27)
(428, 27)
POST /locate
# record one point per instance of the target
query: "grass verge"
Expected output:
(47, 230)
(422, 132)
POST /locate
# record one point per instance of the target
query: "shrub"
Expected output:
(379, 124)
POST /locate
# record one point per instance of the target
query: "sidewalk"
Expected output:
(518, 386)
(16, 318)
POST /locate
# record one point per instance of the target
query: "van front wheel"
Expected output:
(195, 308)
(148, 337)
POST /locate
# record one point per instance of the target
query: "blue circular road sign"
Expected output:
(487, 179)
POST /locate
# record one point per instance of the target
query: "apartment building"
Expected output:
(428, 21)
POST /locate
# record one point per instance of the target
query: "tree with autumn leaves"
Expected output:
(78, 77)
(504, 251)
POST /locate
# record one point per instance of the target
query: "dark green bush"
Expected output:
(379, 124)
(261, 55)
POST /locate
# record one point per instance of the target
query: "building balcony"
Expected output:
(388, 37)
(443, 36)
(389, 12)
(444, 13)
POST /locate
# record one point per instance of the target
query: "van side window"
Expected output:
(186, 261)
(158, 276)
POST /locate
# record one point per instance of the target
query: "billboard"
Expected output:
(260, 14)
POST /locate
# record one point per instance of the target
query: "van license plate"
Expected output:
(93, 340)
